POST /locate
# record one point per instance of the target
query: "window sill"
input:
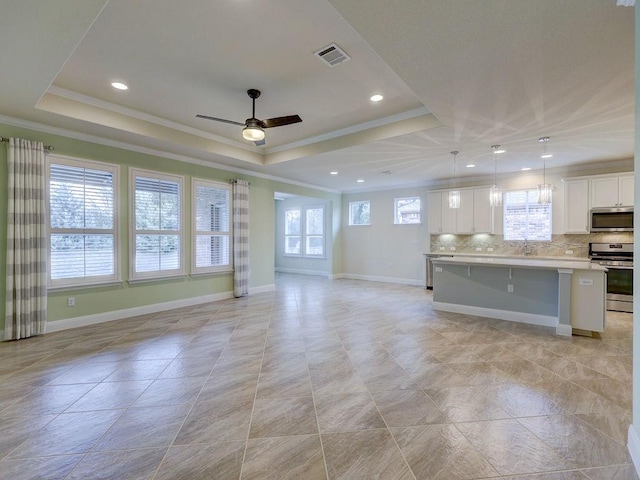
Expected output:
(133, 281)
(216, 272)
(85, 286)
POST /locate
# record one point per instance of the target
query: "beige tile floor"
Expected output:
(320, 379)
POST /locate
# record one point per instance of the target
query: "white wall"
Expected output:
(305, 265)
(634, 429)
(384, 251)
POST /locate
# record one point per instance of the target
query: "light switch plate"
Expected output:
(587, 282)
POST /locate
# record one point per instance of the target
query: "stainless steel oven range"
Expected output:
(618, 259)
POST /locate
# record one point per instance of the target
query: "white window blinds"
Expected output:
(82, 240)
(212, 226)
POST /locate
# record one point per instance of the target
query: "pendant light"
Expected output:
(454, 195)
(544, 189)
(495, 192)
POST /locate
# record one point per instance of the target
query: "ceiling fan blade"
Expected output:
(220, 120)
(280, 121)
(260, 143)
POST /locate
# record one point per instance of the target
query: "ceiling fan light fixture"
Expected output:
(253, 133)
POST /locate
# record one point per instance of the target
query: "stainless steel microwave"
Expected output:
(613, 219)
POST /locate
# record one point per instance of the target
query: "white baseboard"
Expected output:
(301, 271)
(530, 318)
(633, 445)
(375, 278)
(564, 330)
(337, 276)
(262, 289)
(85, 320)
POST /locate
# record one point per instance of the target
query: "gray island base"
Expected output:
(568, 295)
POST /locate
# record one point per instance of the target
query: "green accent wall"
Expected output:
(97, 300)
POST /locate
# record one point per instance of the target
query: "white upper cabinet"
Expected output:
(434, 212)
(482, 211)
(625, 185)
(466, 212)
(612, 191)
(474, 215)
(576, 206)
(442, 219)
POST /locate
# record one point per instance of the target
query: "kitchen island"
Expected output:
(565, 294)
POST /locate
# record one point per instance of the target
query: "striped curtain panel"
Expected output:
(241, 238)
(26, 301)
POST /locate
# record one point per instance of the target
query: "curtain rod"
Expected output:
(46, 147)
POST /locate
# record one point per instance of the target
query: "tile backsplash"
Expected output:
(496, 245)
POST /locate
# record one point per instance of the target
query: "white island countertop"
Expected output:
(521, 262)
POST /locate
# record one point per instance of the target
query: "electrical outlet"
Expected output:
(489, 249)
(441, 248)
(478, 249)
(71, 301)
(587, 282)
(510, 288)
(438, 269)
(568, 252)
(453, 249)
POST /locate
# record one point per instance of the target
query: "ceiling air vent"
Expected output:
(332, 55)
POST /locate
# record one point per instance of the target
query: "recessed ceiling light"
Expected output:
(119, 86)
(526, 169)
(333, 173)
(471, 165)
(360, 180)
(376, 98)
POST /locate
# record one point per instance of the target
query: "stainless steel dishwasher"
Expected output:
(429, 271)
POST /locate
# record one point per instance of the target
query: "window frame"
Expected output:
(85, 281)
(527, 205)
(135, 276)
(195, 270)
(351, 224)
(304, 235)
(396, 215)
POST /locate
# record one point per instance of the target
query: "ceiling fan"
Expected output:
(254, 128)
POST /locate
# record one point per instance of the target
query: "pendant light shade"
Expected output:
(544, 189)
(495, 192)
(454, 198)
(454, 195)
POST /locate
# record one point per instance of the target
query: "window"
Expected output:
(211, 226)
(314, 232)
(292, 231)
(407, 210)
(311, 236)
(359, 213)
(83, 245)
(157, 225)
(525, 218)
